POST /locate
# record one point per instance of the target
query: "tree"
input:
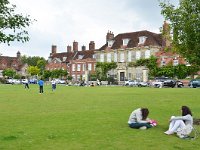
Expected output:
(185, 27)
(41, 65)
(102, 69)
(12, 25)
(33, 70)
(33, 61)
(9, 73)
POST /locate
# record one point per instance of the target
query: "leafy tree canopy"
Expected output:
(12, 25)
(185, 27)
(33, 61)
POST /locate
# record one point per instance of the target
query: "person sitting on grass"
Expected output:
(182, 125)
(138, 119)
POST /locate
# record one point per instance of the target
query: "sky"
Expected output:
(60, 22)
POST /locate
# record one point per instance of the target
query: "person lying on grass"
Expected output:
(182, 125)
(138, 119)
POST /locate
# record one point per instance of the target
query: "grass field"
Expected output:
(90, 118)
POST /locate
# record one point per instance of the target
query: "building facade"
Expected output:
(129, 47)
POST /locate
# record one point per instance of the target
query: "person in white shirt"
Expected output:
(53, 83)
(182, 125)
(138, 119)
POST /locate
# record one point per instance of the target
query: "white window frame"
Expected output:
(110, 43)
(125, 41)
(122, 57)
(147, 54)
(83, 67)
(108, 57)
(115, 57)
(89, 66)
(101, 57)
(78, 67)
(73, 67)
(142, 39)
(129, 56)
(137, 55)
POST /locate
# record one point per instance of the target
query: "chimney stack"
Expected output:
(166, 34)
(75, 46)
(109, 36)
(69, 49)
(83, 48)
(91, 45)
(18, 54)
(53, 49)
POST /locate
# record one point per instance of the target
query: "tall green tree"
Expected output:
(9, 73)
(33, 61)
(33, 70)
(185, 27)
(12, 25)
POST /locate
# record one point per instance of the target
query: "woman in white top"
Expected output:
(182, 125)
(138, 119)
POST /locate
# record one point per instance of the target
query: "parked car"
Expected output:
(143, 84)
(33, 81)
(59, 81)
(194, 83)
(164, 82)
(13, 81)
(131, 83)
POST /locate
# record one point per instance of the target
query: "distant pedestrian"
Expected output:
(41, 84)
(53, 83)
(26, 84)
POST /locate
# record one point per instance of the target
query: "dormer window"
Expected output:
(110, 43)
(125, 41)
(80, 56)
(64, 58)
(142, 39)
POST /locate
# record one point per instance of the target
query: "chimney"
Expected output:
(75, 46)
(109, 36)
(91, 45)
(166, 34)
(69, 49)
(83, 48)
(53, 49)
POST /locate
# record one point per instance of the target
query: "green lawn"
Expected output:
(90, 118)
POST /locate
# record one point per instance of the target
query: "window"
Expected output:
(94, 56)
(78, 67)
(80, 56)
(147, 54)
(83, 67)
(138, 55)
(109, 57)
(101, 57)
(142, 39)
(110, 43)
(64, 58)
(115, 57)
(73, 67)
(89, 67)
(125, 42)
(175, 62)
(121, 57)
(129, 56)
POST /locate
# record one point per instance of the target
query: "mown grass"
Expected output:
(89, 118)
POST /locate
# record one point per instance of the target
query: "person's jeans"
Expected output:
(138, 125)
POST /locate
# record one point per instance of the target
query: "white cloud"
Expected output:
(61, 22)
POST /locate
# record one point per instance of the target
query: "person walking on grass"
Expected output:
(26, 84)
(138, 119)
(181, 125)
(41, 84)
(53, 84)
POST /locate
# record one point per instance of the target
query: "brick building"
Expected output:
(78, 63)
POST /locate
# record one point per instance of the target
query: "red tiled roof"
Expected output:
(152, 39)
